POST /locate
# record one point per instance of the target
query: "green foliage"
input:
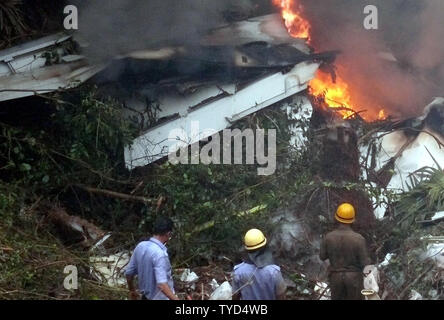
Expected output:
(92, 130)
(426, 196)
(212, 205)
(22, 19)
(38, 164)
(11, 19)
(32, 260)
(87, 135)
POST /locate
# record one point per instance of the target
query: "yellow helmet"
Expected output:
(345, 213)
(254, 239)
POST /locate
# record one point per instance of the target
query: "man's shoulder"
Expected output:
(343, 232)
(356, 235)
(273, 268)
(150, 246)
(243, 267)
(239, 266)
(142, 245)
(331, 234)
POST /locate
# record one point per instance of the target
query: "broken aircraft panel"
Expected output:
(214, 85)
(269, 28)
(219, 114)
(193, 67)
(42, 66)
(237, 70)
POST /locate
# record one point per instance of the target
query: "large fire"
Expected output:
(336, 93)
(297, 26)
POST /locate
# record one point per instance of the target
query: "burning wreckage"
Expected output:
(237, 70)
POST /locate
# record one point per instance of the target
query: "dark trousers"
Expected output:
(346, 285)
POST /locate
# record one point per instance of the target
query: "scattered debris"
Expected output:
(110, 269)
(99, 247)
(433, 294)
(204, 285)
(322, 291)
(435, 251)
(391, 158)
(223, 292)
(299, 112)
(414, 295)
(42, 66)
(438, 216)
(371, 279)
(75, 229)
(214, 285)
(188, 276)
(387, 259)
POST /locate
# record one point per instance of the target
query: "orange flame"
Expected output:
(297, 26)
(382, 115)
(336, 94)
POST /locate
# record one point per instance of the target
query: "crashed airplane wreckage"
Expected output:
(42, 66)
(235, 71)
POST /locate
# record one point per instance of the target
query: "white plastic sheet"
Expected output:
(188, 276)
(223, 292)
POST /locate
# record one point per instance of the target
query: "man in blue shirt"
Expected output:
(151, 264)
(258, 278)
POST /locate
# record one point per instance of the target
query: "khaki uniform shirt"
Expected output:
(346, 250)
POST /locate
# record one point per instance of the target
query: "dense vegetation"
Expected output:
(78, 142)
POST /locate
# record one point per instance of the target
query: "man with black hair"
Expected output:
(150, 262)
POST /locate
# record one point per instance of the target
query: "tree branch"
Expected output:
(404, 292)
(114, 194)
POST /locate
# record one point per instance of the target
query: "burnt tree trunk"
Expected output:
(339, 158)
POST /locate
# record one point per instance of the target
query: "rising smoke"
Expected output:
(115, 27)
(412, 30)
